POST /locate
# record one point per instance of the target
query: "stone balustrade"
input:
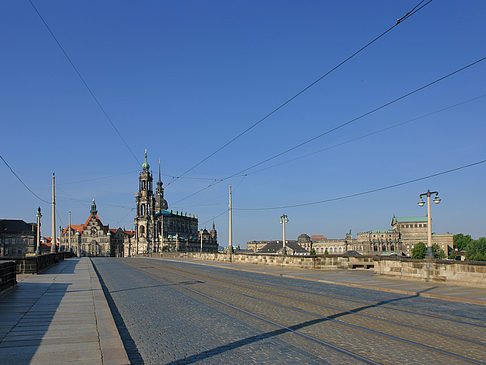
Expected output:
(35, 263)
(7, 274)
(454, 272)
(470, 273)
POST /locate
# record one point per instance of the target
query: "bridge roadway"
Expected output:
(174, 312)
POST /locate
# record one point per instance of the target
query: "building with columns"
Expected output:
(404, 234)
(159, 229)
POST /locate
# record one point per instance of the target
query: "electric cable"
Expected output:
(368, 191)
(339, 126)
(396, 125)
(24, 184)
(282, 105)
(108, 118)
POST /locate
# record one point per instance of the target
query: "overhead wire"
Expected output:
(396, 125)
(83, 80)
(22, 182)
(282, 105)
(368, 191)
(339, 126)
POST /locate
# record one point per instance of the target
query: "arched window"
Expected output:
(143, 209)
(142, 231)
(143, 185)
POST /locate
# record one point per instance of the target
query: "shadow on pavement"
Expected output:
(25, 316)
(236, 344)
(130, 346)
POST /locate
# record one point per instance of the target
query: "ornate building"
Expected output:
(404, 234)
(158, 229)
(93, 238)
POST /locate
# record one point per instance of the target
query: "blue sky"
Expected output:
(182, 78)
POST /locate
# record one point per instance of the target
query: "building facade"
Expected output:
(17, 238)
(404, 234)
(93, 238)
(159, 229)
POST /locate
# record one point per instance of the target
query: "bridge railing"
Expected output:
(8, 276)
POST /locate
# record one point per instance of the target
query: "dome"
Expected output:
(303, 237)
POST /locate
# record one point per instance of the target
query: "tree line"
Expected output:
(475, 249)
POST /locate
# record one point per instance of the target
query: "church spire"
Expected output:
(145, 165)
(160, 180)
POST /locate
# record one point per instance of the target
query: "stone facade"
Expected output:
(93, 238)
(404, 234)
(17, 238)
(158, 229)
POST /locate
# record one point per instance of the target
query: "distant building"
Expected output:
(93, 238)
(17, 238)
(404, 234)
(158, 229)
(276, 247)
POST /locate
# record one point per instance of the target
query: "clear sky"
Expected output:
(181, 78)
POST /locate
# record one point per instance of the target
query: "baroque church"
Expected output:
(159, 229)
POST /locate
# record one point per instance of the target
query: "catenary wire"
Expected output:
(282, 105)
(396, 125)
(96, 100)
(339, 126)
(24, 184)
(369, 191)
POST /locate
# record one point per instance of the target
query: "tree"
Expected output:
(438, 252)
(419, 251)
(453, 254)
(326, 252)
(476, 250)
(313, 251)
(461, 241)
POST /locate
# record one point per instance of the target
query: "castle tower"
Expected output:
(144, 221)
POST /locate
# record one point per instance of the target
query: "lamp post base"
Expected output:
(430, 253)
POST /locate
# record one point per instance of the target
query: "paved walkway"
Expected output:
(59, 316)
(360, 279)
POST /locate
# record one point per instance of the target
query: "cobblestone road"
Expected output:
(171, 312)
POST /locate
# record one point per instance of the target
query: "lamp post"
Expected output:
(39, 216)
(78, 243)
(284, 219)
(201, 240)
(430, 252)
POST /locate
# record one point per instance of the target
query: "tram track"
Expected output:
(238, 290)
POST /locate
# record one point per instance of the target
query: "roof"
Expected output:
(14, 226)
(382, 231)
(81, 227)
(409, 219)
(276, 246)
(318, 237)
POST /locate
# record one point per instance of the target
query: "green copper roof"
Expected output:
(145, 165)
(410, 219)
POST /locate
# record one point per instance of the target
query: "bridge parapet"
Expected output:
(8, 276)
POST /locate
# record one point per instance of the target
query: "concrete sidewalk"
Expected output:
(358, 279)
(59, 316)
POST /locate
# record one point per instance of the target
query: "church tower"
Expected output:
(144, 221)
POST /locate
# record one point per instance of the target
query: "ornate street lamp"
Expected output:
(421, 203)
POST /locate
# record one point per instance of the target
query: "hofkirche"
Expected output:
(157, 228)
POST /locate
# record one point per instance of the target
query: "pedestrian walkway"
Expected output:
(360, 279)
(59, 316)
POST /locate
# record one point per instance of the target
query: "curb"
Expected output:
(112, 349)
(361, 286)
